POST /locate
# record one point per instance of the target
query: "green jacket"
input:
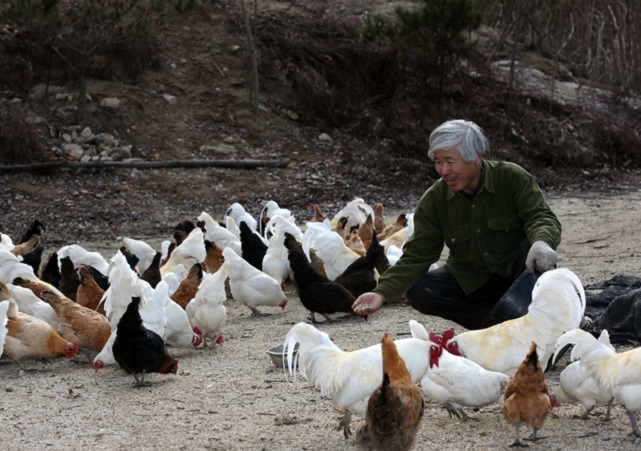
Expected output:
(482, 235)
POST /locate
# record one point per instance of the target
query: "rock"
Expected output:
(76, 151)
(324, 138)
(110, 102)
(223, 149)
(171, 100)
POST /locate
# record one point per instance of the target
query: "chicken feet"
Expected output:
(344, 423)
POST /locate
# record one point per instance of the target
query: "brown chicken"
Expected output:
(400, 223)
(189, 286)
(319, 216)
(526, 397)
(28, 336)
(89, 293)
(379, 219)
(214, 257)
(395, 409)
(365, 231)
(79, 324)
(37, 286)
(152, 275)
(27, 246)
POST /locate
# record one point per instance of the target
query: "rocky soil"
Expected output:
(232, 397)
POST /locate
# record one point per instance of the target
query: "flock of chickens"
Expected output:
(126, 311)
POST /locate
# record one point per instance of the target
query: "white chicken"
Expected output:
(142, 250)
(207, 310)
(558, 303)
(356, 212)
(616, 373)
(218, 234)
(238, 212)
(178, 330)
(230, 224)
(348, 377)
(251, 286)
(81, 256)
(6, 243)
(32, 305)
(275, 262)
(457, 382)
(272, 209)
(4, 319)
(576, 385)
(11, 267)
(329, 247)
(191, 250)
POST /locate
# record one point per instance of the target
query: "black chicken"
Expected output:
(139, 350)
(35, 228)
(317, 293)
(252, 246)
(359, 276)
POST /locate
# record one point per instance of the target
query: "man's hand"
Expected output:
(367, 303)
(542, 256)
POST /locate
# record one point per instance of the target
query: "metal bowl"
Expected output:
(279, 358)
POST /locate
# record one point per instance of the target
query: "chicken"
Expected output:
(356, 211)
(207, 311)
(252, 287)
(239, 214)
(379, 219)
(79, 324)
(359, 277)
(28, 336)
(616, 373)
(457, 382)
(34, 259)
(348, 378)
(32, 305)
(151, 274)
(215, 233)
(400, 224)
(191, 251)
(69, 279)
(365, 232)
(81, 256)
(252, 245)
(576, 385)
(132, 259)
(394, 409)
(526, 397)
(11, 268)
(35, 228)
(189, 286)
(177, 330)
(330, 247)
(51, 271)
(213, 258)
(293, 245)
(272, 209)
(230, 224)
(138, 350)
(89, 293)
(317, 293)
(142, 250)
(275, 262)
(319, 216)
(26, 246)
(4, 319)
(558, 303)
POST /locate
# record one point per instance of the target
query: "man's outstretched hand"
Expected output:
(367, 303)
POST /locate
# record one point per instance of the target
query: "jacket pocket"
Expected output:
(456, 235)
(503, 224)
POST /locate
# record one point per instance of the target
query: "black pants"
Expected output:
(439, 294)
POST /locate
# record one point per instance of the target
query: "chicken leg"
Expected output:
(344, 423)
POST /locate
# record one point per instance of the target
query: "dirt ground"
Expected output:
(232, 397)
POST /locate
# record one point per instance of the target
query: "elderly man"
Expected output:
(493, 218)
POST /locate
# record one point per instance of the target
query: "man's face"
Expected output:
(457, 173)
